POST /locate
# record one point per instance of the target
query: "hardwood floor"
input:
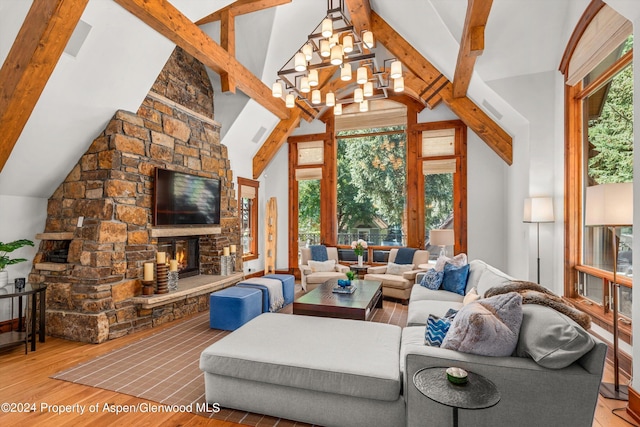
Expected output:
(24, 381)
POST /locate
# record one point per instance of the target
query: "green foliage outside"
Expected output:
(438, 190)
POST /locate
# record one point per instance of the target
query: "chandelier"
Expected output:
(334, 42)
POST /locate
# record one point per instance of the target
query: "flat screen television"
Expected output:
(185, 199)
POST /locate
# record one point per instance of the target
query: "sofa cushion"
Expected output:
(458, 260)
(491, 277)
(471, 296)
(322, 266)
(398, 269)
(390, 280)
(432, 279)
(550, 338)
(363, 359)
(488, 327)
(419, 311)
(455, 278)
(420, 293)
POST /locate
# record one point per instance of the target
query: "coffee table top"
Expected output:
(360, 298)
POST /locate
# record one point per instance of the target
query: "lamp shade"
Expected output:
(609, 204)
(347, 44)
(312, 78)
(398, 84)
(330, 99)
(290, 100)
(300, 62)
(396, 69)
(345, 72)
(337, 109)
(441, 237)
(538, 209)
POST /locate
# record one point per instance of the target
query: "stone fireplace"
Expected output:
(99, 232)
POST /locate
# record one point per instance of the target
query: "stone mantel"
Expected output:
(184, 231)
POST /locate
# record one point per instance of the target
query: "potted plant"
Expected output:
(5, 249)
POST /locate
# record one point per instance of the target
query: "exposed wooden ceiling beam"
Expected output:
(171, 23)
(476, 119)
(30, 62)
(228, 43)
(241, 7)
(278, 136)
(471, 44)
(360, 12)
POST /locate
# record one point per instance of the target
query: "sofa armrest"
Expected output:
(381, 269)
(342, 268)
(305, 270)
(411, 275)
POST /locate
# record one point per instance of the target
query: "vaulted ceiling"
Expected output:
(122, 54)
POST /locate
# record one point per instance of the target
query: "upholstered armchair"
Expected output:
(313, 273)
(398, 281)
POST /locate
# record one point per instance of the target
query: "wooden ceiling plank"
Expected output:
(35, 52)
(487, 129)
(278, 136)
(471, 44)
(171, 23)
(360, 12)
(228, 43)
(241, 7)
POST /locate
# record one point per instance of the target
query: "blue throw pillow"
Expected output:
(455, 278)
(432, 279)
(437, 328)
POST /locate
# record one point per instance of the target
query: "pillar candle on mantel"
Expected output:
(173, 265)
(148, 272)
(233, 249)
(225, 251)
(161, 257)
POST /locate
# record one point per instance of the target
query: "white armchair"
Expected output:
(311, 278)
(396, 285)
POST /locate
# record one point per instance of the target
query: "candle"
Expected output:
(233, 249)
(173, 265)
(148, 271)
(225, 251)
(161, 257)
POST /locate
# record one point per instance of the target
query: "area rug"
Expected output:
(163, 367)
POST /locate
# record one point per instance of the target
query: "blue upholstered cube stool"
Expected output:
(232, 307)
(288, 285)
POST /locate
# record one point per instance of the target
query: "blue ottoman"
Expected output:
(232, 307)
(288, 286)
(262, 289)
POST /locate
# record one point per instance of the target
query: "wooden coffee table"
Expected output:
(323, 302)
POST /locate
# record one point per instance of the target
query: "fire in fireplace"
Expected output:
(185, 250)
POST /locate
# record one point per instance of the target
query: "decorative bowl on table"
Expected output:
(457, 375)
(343, 283)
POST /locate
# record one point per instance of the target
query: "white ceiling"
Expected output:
(122, 56)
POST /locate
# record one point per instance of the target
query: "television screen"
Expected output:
(185, 199)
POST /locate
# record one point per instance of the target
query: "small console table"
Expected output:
(360, 270)
(477, 393)
(31, 291)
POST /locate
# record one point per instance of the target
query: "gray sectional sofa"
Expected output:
(337, 372)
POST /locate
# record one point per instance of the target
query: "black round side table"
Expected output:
(477, 393)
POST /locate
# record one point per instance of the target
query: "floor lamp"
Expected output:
(611, 205)
(537, 210)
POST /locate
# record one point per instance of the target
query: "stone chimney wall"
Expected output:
(111, 187)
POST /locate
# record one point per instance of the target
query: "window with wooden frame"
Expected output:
(248, 209)
(599, 149)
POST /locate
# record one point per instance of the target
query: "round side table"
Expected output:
(359, 270)
(477, 393)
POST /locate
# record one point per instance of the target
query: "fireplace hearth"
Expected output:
(184, 249)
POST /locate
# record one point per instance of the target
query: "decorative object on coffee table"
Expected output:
(476, 393)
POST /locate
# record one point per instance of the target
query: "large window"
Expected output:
(248, 200)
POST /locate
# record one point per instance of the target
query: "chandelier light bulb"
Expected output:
(316, 98)
(336, 55)
(330, 99)
(347, 44)
(367, 38)
(304, 85)
(396, 69)
(337, 110)
(364, 106)
(345, 72)
(398, 84)
(276, 90)
(361, 75)
(368, 89)
(313, 78)
(307, 49)
(325, 51)
(299, 62)
(358, 96)
(290, 100)
(327, 27)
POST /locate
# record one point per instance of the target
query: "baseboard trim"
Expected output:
(633, 408)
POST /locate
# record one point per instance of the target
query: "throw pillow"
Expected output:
(550, 338)
(398, 269)
(458, 260)
(437, 328)
(455, 278)
(432, 279)
(471, 296)
(322, 266)
(488, 327)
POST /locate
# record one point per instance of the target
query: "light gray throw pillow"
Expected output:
(488, 327)
(550, 338)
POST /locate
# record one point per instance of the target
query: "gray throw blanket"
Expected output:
(533, 293)
(276, 296)
(319, 253)
(405, 256)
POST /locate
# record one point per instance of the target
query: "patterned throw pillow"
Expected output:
(432, 279)
(437, 328)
